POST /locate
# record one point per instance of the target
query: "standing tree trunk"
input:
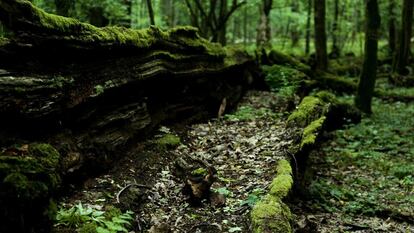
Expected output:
(151, 12)
(402, 56)
(335, 53)
(392, 28)
(369, 70)
(320, 36)
(245, 26)
(167, 8)
(97, 18)
(294, 29)
(308, 27)
(223, 30)
(264, 31)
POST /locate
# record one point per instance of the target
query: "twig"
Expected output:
(204, 224)
(128, 186)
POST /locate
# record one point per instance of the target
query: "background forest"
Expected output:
(291, 21)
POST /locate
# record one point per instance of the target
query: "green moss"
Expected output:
(88, 228)
(271, 215)
(200, 172)
(308, 109)
(73, 31)
(4, 41)
(336, 83)
(327, 97)
(279, 58)
(311, 132)
(282, 183)
(32, 175)
(168, 141)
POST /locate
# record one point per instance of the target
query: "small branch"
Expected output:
(128, 186)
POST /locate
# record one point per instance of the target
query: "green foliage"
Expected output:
(373, 162)
(284, 80)
(253, 197)
(224, 191)
(88, 220)
(246, 113)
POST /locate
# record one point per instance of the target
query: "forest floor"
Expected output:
(363, 178)
(243, 147)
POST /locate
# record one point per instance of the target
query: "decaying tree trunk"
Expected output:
(90, 93)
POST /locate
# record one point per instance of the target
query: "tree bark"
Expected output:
(150, 12)
(320, 36)
(403, 54)
(366, 83)
(263, 30)
(294, 29)
(335, 52)
(308, 27)
(392, 28)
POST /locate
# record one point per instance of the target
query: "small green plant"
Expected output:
(245, 113)
(87, 220)
(253, 197)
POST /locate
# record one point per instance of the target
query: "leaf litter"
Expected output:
(243, 147)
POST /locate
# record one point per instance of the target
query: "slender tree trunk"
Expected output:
(403, 53)
(335, 52)
(245, 26)
(295, 33)
(392, 28)
(369, 70)
(223, 30)
(308, 27)
(320, 36)
(151, 12)
(263, 30)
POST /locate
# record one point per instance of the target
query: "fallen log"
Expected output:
(91, 93)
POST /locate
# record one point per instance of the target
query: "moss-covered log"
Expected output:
(92, 92)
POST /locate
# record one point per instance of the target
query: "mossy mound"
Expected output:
(29, 176)
(276, 57)
(271, 215)
(309, 109)
(318, 112)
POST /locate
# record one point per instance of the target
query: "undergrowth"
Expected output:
(85, 219)
(370, 165)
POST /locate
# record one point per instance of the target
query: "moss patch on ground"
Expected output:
(167, 141)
